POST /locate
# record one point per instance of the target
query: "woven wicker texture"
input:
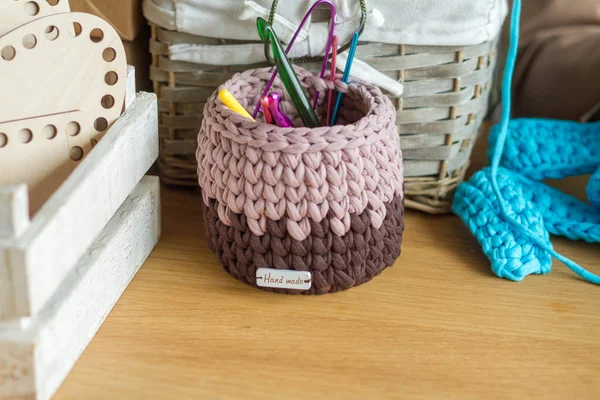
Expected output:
(445, 98)
(300, 185)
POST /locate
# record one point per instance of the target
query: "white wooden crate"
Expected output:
(36, 255)
(37, 353)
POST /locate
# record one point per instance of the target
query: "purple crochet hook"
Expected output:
(327, 49)
(281, 120)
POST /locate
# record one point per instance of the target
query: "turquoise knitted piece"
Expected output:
(593, 189)
(542, 148)
(536, 206)
(563, 215)
(508, 211)
(512, 254)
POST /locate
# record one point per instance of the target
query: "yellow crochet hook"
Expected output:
(231, 102)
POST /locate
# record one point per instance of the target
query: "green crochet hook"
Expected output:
(288, 76)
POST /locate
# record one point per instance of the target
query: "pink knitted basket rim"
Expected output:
(369, 128)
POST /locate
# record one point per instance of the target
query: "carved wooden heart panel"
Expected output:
(14, 13)
(63, 80)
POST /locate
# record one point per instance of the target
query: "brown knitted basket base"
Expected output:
(336, 263)
(324, 200)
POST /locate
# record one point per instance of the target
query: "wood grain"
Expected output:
(61, 102)
(438, 325)
(14, 13)
(14, 210)
(36, 261)
(73, 76)
(37, 354)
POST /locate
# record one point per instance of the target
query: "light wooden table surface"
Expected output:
(438, 325)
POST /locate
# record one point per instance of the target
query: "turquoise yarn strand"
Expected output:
(500, 144)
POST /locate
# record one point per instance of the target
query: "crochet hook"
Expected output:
(291, 43)
(279, 117)
(288, 76)
(345, 77)
(332, 76)
(234, 105)
(265, 103)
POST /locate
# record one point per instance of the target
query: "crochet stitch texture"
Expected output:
(593, 189)
(336, 262)
(508, 211)
(543, 148)
(328, 199)
(536, 206)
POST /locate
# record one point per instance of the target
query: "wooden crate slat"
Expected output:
(39, 259)
(37, 355)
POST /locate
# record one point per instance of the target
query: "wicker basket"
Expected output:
(446, 93)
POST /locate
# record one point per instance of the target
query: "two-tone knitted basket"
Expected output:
(327, 200)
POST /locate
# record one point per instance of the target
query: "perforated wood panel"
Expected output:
(14, 13)
(63, 81)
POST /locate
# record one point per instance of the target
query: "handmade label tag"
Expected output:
(283, 279)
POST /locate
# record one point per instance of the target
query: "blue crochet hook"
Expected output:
(345, 77)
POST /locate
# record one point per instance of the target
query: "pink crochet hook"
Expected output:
(279, 117)
(265, 102)
(332, 77)
(327, 48)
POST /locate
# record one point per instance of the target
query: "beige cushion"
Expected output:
(558, 72)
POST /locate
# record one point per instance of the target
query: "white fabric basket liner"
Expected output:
(409, 22)
(422, 22)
